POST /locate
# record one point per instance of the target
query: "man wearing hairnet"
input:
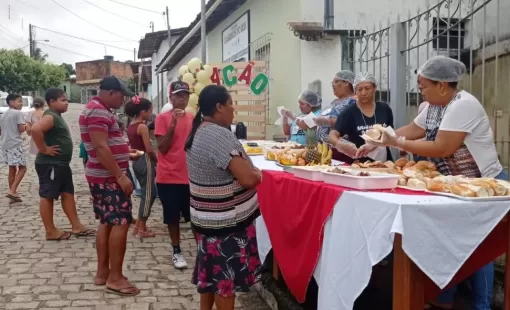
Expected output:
(453, 131)
(344, 92)
(309, 102)
(357, 118)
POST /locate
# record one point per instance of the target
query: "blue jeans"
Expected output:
(482, 281)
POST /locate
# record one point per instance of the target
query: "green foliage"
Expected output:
(69, 69)
(19, 73)
(131, 84)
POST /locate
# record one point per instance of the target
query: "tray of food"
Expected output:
(470, 189)
(312, 173)
(311, 155)
(253, 149)
(272, 152)
(358, 179)
(376, 166)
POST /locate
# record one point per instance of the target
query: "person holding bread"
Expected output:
(309, 102)
(365, 117)
(453, 132)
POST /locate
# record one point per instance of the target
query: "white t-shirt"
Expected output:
(167, 107)
(466, 114)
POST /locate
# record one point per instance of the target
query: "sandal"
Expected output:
(131, 291)
(135, 231)
(14, 198)
(65, 236)
(85, 233)
(145, 234)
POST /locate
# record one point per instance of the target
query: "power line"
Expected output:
(72, 52)
(83, 39)
(135, 7)
(31, 5)
(10, 35)
(115, 14)
(98, 27)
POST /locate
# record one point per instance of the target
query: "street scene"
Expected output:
(254, 155)
(39, 274)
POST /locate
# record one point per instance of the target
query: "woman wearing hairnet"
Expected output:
(344, 91)
(454, 132)
(357, 118)
(308, 102)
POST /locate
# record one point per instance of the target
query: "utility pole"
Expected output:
(203, 36)
(134, 54)
(169, 30)
(9, 12)
(151, 25)
(31, 40)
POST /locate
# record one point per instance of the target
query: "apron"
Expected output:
(461, 162)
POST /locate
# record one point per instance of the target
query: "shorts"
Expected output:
(54, 180)
(175, 199)
(14, 157)
(111, 205)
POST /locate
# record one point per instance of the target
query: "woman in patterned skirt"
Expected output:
(224, 203)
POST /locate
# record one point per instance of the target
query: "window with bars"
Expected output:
(448, 33)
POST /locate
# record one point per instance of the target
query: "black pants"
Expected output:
(175, 199)
(54, 180)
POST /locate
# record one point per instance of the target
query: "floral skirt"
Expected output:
(227, 264)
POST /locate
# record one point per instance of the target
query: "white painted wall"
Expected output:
(173, 74)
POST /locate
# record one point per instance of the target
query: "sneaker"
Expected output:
(179, 261)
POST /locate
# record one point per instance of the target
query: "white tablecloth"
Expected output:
(438, 234)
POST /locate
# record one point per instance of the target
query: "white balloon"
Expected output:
(202, 77)
(194, 65)
(209, 70)
(188, 78)
(183, 69)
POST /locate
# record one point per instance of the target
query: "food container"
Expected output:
(312, 173)
(353, 180)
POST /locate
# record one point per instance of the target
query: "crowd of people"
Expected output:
(201, 173)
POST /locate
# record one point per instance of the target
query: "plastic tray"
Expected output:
(309, 173)
(374, 181)
(492, 198)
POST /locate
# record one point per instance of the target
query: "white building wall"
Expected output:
(173, 74)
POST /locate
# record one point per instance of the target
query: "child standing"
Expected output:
(32, 118)
(144, 168)
(53, 140)
(12, 125)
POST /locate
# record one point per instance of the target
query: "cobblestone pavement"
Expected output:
(37, 274)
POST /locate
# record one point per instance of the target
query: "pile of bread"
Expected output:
(423, 175)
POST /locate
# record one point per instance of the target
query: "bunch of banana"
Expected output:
(326, 153)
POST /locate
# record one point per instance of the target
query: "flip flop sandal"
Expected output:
(13, 198)
(145, 234)
(65, 236)
(133, 291)
(85, 233)
(102, 284)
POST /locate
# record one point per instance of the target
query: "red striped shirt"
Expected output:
(96, 117)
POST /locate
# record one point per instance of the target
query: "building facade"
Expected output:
(90, 73)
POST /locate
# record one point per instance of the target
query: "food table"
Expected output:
(337, 235)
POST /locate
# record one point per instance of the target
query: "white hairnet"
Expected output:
(345, 75)
(442, 69)
(311, 98)
(364, 77)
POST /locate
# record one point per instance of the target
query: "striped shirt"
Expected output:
(219, 204)
(96, 117)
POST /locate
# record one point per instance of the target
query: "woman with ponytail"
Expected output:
(224, 203)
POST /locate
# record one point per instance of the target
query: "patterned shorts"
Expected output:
(14, 157)
(111, 205)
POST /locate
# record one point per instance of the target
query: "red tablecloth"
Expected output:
(295, 211)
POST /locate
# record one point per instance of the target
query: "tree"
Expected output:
(19, 73)
(38, 54)
(69, 69)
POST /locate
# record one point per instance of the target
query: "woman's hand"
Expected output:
(391, 140)
(323, 121)
(347, 148)
(288, 114)
(364, 150)
(301, 124)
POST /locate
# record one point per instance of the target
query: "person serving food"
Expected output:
(308, 102)
(360, 118)
(453, 132)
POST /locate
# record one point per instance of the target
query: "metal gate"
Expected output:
(467, 30)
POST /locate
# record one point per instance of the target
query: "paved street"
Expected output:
(37, 274)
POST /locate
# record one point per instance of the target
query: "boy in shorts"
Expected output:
(12, 125)
(53, 140)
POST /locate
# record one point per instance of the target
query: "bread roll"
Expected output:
(480, 191)
(401, 162)
(416, 184)
(390, 164)
(402, 181)
(486, 185)
(499, 189)
(506, 185)
(374, 134)
(410, 164)
(461, 190)
(424, 165)
(412, 173)
(435, 186)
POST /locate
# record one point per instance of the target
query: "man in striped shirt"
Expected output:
(109, 185)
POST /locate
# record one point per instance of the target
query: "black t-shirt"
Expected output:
(353, 123)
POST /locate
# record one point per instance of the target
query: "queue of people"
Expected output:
(213, 185)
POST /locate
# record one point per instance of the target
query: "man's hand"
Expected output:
(125, 184)
(53, 150)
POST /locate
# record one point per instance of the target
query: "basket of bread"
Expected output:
(423, 176)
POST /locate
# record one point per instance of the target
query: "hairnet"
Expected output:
(364, 77)
(345, 75)
(311, 98)
(442, 69)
